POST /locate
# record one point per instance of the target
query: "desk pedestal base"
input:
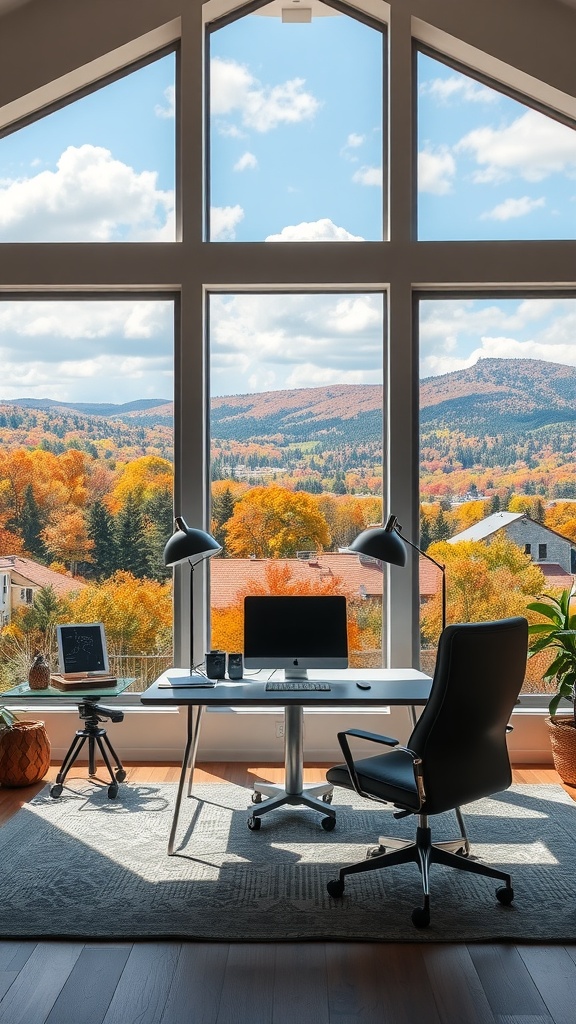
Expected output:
(293, 792)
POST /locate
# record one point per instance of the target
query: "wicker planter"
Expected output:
(563, 740)
(24, 754)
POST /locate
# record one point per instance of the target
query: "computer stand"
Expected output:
(293, 792)
(92, 714)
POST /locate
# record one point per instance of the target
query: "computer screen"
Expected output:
(295, 633)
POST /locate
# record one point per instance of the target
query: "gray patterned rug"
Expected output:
(85, 866)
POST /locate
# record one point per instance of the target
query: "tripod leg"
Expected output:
(104, 753)
(71, 755)
(117, 760)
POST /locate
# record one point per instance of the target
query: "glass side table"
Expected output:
(93, 714)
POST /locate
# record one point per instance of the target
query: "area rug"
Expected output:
(86, 866)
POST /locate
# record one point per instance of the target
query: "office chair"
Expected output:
(456, 753)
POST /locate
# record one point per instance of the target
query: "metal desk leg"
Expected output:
(192, 737)
(294, 791)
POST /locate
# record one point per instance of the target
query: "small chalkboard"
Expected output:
(82, 648)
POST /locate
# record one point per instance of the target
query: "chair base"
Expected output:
(307, 796)
(423, 852)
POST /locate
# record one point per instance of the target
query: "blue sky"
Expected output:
(296, 154)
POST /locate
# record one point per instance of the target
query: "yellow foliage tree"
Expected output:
(483, 582)
(67, 539)
(137, 613)
(141, 480)
(272, 522)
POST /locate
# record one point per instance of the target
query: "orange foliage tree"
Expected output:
(228, 623)
(141, 480)
(272, 522)
(67, 539)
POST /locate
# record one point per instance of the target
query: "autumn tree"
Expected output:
(272, 522)
(139, 480)
(484, 581)
(137, 613)
(10, 543)
(67, 539)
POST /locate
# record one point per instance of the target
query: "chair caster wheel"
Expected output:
(256, 798)
(421, 917)
(56, 791)
(505, 895)
(328, 824)
(327, 798)
(375, 851)
(112, 791)
(254, 824)
(120, 775)
(335, 888)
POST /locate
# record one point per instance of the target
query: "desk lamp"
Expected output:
(189, 545)
(386, 544)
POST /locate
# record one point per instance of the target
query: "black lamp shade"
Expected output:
(385, 545)
(189, 545)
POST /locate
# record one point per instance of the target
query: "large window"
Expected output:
(296, 454)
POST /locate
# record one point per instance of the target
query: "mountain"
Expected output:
(91, 408)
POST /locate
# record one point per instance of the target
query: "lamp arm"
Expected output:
(397, 528)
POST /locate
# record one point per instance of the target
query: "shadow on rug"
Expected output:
(85, 866)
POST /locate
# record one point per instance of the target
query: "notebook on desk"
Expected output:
(194, 680)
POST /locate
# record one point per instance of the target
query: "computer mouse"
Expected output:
(364, 686)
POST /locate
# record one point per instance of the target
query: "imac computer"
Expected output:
(295, 634)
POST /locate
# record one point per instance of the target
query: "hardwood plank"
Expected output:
(14, 953)
(141, 993)
(248, 986)
(506, 981)
(373, 982)
(457, 988)
(300, 984)
(196, 988)
(7, 978)
(552, 971)
(88, 990)
(37, 986)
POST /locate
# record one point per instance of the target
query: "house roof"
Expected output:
(31, 572)
(555, 575)
(486, 527)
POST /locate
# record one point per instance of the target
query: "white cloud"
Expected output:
(246, 162)
(353, 142)
(533, 147)
(513, 208)
(368, 176)
(460, 88)
(436, 171)
(90, 197)
(322, 230)
(265, 341)
(169, 108)
(223, 222)
(86, 350)
(455, 334)
(233, 89)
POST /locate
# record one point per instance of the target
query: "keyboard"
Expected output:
(296, 685)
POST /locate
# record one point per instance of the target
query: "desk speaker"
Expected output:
(216, 664)
(235, 666)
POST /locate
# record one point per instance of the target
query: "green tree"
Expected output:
(158, 527)
(131, 538)
(222, 511)
(105, 552)
(31, 524)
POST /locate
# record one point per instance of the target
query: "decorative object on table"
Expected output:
(39, 673)
(24, 751)
(387, 544)
(558, 637)
(188, 544)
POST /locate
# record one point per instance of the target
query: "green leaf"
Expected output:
(547, 610)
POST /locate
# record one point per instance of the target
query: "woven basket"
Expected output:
(563, 740)
(24, 754)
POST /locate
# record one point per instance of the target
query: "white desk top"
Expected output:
(387, 686)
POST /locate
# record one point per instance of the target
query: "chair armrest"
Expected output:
(376, 737)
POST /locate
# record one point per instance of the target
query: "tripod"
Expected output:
(92, 714)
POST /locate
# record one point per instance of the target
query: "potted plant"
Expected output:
(558, 637)
(24, 750)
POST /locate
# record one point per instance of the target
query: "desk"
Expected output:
(92, 714)
(396, 686)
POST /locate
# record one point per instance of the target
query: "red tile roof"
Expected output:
(229, 575)
(39, 575)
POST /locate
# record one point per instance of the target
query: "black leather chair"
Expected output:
(456, 753)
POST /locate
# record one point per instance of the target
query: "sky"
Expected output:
(296, 154)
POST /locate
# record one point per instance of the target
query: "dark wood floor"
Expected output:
(281, 983)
